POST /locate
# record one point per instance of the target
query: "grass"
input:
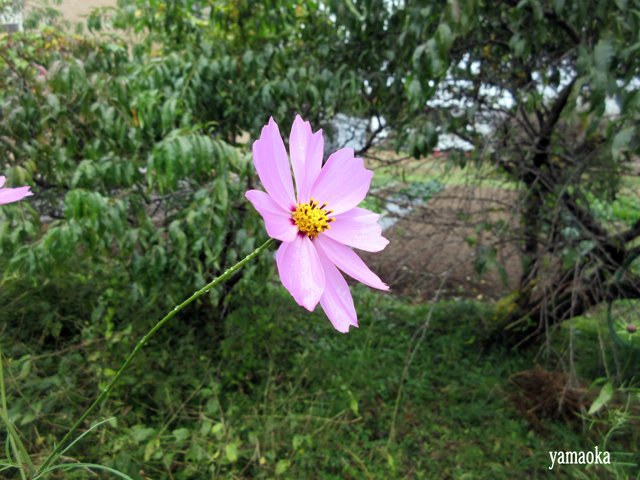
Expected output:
(275, 392)
(625, 209)
(424, 170)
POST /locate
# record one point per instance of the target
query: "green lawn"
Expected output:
(424, 170)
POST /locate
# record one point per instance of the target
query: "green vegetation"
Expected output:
(130, 141)
(425, 170)
(276, 392)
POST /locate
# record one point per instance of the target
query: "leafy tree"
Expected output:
(131, 141)
(125, 167)
(540, 74)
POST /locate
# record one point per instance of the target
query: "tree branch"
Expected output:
(630, 234)
(573, 35)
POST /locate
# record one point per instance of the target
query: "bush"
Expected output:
(128, 183)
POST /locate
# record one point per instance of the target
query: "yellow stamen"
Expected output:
(310, 219)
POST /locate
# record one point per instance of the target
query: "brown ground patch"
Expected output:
(76, 10)
(429, 247)
(550, 395)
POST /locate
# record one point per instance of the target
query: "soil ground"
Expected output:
(73, 10)
(428, 251)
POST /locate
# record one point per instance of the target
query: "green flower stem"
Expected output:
(108, 388)
(16, 443)
(20, 452)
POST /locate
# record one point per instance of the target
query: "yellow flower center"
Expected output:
(312, 220)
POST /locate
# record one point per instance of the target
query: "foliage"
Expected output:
(420, 191)
(131, 143)
(526, 84)
(123, 168)
(272, 58)
(126, 144)
(270, 395)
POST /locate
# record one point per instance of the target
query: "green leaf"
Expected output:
(25, 369)
(222, 193)
(232, 452)
(538, 14)
(297, 441)
(491, 256)
(391, 462)
(195, 452)
(205, 428)
(248, 57)
(471, 241)
(181, 434)
(603, 54)
(353, 404)
(485, 259)
(503, 274)
(28, 418)
(266, 94)
(282, 466)
(592, 128)
(150, 449)
(417, 53)
(519, 48)
(605, 395)
(139, 433)
(621, 142)
(415, 90)
(445, 34)
(54, 104)
(168, 114)
(216, 428)
(436, 64)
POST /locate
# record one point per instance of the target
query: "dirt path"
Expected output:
(73, 10)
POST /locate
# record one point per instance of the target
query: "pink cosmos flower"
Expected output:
(8, 195)
(316, 229)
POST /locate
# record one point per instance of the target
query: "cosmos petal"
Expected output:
(336, 300)
(2, 180)
(301, 272)
(272, 165)
(8, 195)
(306, 151)
(278, 221)
(310, 269)
(343, 182)
(358, 228)
(348, 261)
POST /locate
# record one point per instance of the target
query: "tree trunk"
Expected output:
(573, 294)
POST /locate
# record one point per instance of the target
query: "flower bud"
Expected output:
(631, 328)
